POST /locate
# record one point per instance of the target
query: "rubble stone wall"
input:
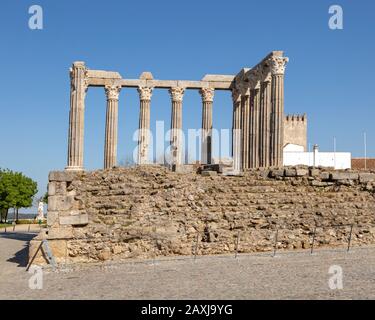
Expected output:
(149, 211)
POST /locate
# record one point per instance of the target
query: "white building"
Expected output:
(295, 155)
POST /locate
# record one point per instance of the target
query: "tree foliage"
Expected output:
(16, 191)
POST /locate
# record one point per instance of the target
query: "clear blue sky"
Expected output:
(330, 75)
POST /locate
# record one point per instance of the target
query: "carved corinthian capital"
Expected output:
(207, 94)
(177, 93)
(265, 75)
(236, 95)
(244, 89)
(278, 64)
(145, 93)
(112, 91)
(79, 71)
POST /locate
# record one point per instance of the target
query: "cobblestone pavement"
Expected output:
(289, 275)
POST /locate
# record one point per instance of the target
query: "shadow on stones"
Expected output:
(20, 257)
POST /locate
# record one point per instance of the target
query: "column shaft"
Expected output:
(256, 128)
(246, 127)
(277, 119)
(278, 64)
(78, 89)
(144, 124)
(236, 131)
(176, 125)
(110, 144)
(207, 101)
(265, 118)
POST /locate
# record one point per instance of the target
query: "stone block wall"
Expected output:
(149, 211)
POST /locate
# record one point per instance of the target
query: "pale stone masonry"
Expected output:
(145, 94)
(258, 113)
(207, 101)
(176, 124)
(110, 146)
(149, 211)
(236, 132)
(78, 88)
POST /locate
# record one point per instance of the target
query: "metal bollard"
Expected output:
(275, 246)
(196, 246)
(313, 240)
(350, 237)
(237, 241)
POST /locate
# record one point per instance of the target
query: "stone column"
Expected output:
(236, 130)
(245, 125)
(145, 94)
(176, 124)
(110, 143)
(78, 88)
(277, 64)
(256, 136)
(207, 100)
(265, 113)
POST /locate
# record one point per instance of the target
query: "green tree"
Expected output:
(45, 198)
(16, 191)
(7, 193)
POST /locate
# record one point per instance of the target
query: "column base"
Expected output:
(74, 168)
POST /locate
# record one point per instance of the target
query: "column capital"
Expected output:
(236, 95)
(244, 90)
(176, 93)
(265, 74)
(254, 77)
(112, 91)
(145, 93)
(278, 65)
(79, 67)
(207, 94)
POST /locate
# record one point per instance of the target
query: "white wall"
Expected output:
(338, 160)
(290, 147)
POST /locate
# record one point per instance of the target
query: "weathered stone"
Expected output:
(52, 218)
(213, 167)
(184, 168)
(314, 172)
(74, 219)
(274, 173)
(105, 254)
(66, 176)
(290, 172)
(60, 203)
(316, 183)
(324, 175)
(60, 233)
(365, 177)
(147, 210)
(302, 172)
(209, 173)
(344, 176)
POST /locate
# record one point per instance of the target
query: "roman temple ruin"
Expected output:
(258, 113)
(146, 211)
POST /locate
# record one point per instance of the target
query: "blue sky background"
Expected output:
(330, 75)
